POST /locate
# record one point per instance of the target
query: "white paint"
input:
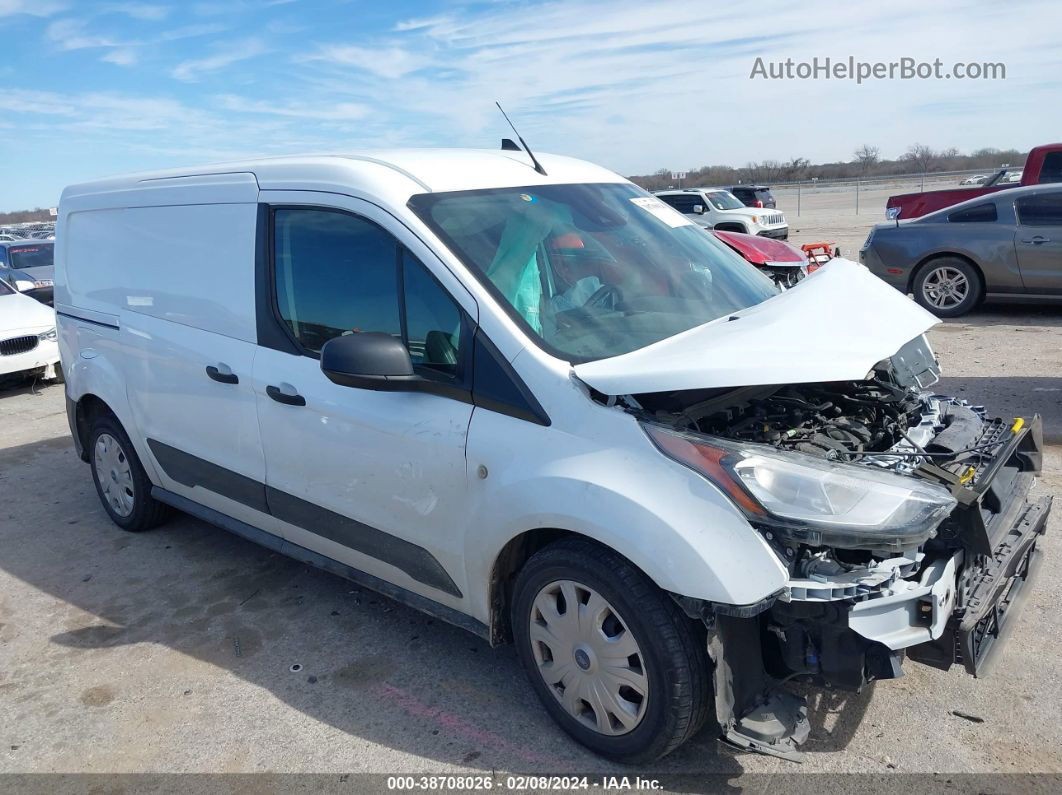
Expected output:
(835, 325)
(169, 258)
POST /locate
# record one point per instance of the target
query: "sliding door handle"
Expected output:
(284, 397)
(224, 378)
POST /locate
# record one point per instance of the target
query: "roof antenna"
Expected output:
(538, 166)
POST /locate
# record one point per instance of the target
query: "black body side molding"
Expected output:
(191, 471)
(278, 544)
(416, 561)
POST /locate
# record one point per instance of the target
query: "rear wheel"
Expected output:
(948, 287)
(611, 657)
(121, 483)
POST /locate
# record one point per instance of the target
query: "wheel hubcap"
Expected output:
(114, 474)
(946, 288)
(588, 658)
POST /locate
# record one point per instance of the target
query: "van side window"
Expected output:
(335, 274)
(338, 274)
(432, 319)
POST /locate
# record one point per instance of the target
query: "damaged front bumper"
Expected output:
(955, 605)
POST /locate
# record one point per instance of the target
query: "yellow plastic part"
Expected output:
(1019, 423)
(967, 476)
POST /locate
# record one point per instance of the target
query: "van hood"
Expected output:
(20, 313)
(835, 325)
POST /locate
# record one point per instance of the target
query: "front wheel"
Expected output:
(948, 287)
(610, 656)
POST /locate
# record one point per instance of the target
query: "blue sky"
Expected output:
(89, 89)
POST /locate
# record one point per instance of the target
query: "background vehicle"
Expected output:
(976, 179)
(537, 402)
(1042, 166)
(716, 208)
(30, 260)
(1003, 244)
(782, 262)
(27, 336)
(39, 289)
(754, 195)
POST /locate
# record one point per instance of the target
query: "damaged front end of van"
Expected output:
(904, 518)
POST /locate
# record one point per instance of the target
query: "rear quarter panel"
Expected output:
(990, 246)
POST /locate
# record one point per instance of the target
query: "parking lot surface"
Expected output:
(188, 649)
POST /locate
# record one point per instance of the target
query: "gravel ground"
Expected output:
(175, 650)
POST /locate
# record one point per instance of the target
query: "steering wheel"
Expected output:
(607, 296)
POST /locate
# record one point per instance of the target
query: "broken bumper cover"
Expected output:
(960, 609)
(965, 605)
(996, 593)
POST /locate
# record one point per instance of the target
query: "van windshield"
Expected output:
(592, 271)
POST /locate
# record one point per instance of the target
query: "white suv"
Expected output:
(535, 401)
(718, 208)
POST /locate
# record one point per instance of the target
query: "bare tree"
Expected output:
(921, 156)
(867, 157)
(795, 169)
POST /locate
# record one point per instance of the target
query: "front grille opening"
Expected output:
(17, 345)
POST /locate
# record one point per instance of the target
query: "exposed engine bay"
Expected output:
(874, 422)
(853, 607)
(784, 275)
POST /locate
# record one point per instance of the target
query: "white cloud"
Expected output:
(71, 34)
(325, 111)
(143, 11)
(388, 61)
(123, 56)
(639, 86)
(422, 23)
(35, 8)
(233, 52)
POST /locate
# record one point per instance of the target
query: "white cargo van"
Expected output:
(537, 402)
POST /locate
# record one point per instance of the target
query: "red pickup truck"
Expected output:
(1044, 164)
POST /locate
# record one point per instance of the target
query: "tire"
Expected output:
(121, 483)
(948, 286)
(671, 652)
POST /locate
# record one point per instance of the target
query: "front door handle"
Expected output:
(1037, 240)
(224, 378)
(283, 397)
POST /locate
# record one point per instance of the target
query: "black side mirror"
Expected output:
(368, 360)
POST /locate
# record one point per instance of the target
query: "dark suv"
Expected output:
(754, 195)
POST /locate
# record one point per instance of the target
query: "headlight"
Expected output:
(48, 336)
(892, 213)
(811, 500)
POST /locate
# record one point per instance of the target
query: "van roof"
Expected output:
(395, 174)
